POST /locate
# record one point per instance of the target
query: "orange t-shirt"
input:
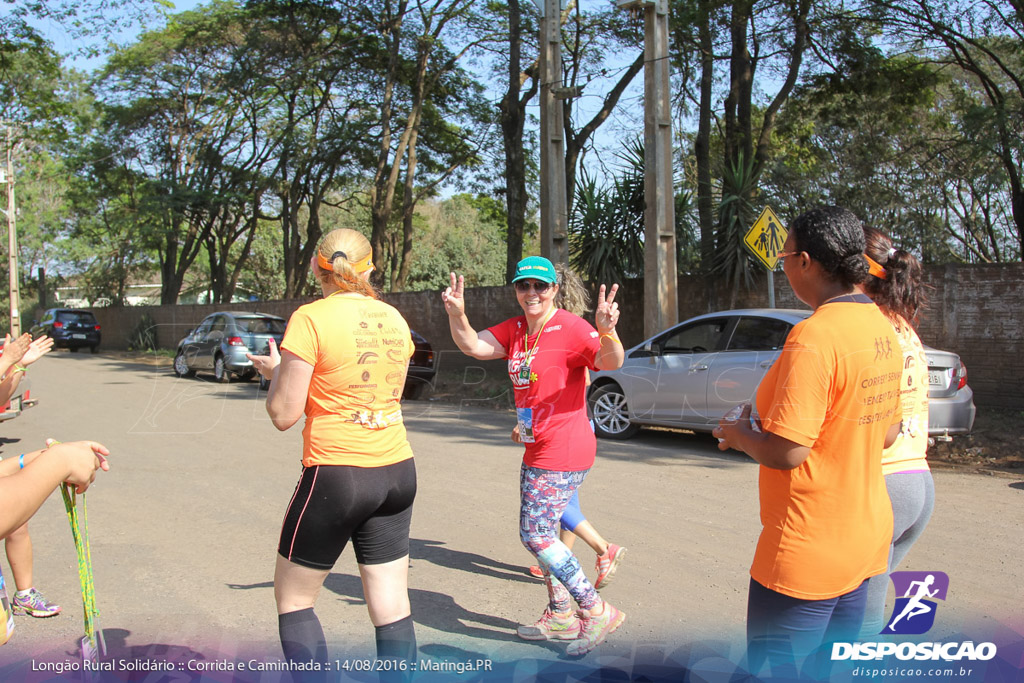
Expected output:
(835, 389)
(359, 349)
(910, 451)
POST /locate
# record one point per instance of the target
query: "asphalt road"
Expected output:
(184, 530)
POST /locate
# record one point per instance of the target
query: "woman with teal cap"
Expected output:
(549, 351)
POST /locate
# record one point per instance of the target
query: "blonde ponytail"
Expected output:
(343, 256)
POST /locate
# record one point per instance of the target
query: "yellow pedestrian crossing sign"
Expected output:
(765, 238)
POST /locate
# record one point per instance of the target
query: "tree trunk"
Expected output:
(702, 147)
(513, 116)
(575, 141)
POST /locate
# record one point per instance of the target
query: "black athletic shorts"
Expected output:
(372, 506)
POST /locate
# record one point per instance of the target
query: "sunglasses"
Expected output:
(535, 285)
(784, 254)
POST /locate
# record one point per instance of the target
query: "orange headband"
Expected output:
(360, 267)
(875, 268)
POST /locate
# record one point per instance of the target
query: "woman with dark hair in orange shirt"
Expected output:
(827, 407)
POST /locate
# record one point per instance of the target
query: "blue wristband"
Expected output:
(21, 461)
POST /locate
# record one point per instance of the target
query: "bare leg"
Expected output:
(386, 588)
(586, 531)
(19, 556)
(296, 587)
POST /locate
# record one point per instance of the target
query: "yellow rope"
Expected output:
(80, 532)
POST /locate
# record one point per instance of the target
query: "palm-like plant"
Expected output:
(606, 229)
(735, 216)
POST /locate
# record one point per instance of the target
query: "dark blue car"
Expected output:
(69, 328)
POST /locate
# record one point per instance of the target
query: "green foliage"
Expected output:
(735, 216)
(143, 336)
(461, 234)
(606, 228)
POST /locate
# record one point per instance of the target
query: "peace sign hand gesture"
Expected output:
(607, 314)
(454, 302)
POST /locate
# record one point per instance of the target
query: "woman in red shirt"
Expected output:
(548, 351)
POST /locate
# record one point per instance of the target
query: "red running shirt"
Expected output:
(566, 347)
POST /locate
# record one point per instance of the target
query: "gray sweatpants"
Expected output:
(913, 498)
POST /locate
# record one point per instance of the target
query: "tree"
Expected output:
(606, 227)
(422, 88)
(986, 41)
(513, 121)
(587, 39)
(737, 44)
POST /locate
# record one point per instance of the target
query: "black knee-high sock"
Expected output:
(302, 639)
(396, 640)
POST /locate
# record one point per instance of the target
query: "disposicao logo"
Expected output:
(914, 612)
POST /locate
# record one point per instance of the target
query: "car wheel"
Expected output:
(94, 349)
(220, 370)
(611, 415)
(264, 383)
(181, 368)
(248, 375)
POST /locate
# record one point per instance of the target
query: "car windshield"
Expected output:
(258, 325)
(76, 317)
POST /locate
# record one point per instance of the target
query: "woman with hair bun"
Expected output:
(896, 285)
(828, 406)
(343, 363)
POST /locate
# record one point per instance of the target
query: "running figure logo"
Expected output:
(914, 612)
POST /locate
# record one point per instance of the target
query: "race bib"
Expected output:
(524, 416)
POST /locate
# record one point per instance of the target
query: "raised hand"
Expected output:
(15, 350)
(37, 349)
(454, 303)
(606, 316)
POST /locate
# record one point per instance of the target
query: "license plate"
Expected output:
(16, 403)
(78, 336)
(938, 378)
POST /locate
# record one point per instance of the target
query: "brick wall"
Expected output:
(975, 310)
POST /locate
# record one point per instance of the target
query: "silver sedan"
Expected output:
(693, 373)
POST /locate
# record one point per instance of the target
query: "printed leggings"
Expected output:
(544, 495)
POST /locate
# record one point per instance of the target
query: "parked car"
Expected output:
(950, 401)
(70, 328)
(693, 373)
(222, 339)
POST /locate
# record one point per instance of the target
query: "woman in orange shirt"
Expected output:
(827, 406)
(343, 363)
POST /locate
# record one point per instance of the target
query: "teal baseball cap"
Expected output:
(535, 268)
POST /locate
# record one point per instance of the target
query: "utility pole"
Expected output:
(12, 237)
(554, 207)
(661, 299)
